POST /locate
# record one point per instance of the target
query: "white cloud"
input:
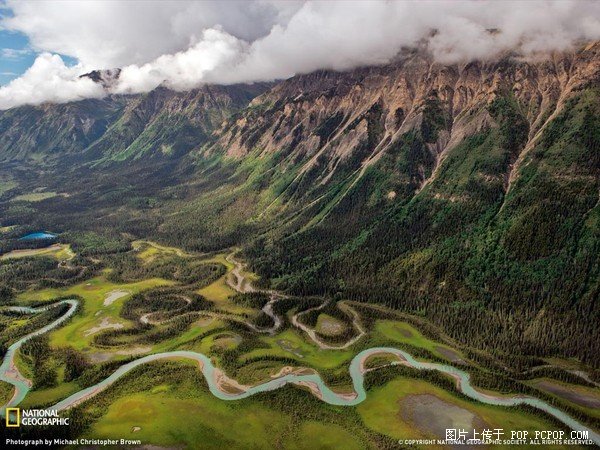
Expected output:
(340, 35)
(14, 53)
(182, 70)
(48, 80)
(110, 34)
(183, 44)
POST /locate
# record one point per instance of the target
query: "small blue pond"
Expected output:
(37, 236)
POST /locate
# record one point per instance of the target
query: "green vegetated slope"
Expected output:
(498, 242)
(45, 133)
(159, 123)
(502, 252)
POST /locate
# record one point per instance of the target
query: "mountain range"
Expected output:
(466, 193)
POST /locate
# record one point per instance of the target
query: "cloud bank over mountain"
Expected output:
(182, 44)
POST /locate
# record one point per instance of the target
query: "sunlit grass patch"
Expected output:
(35, 196)
(58, 251)
(291, 345)
(94, 293)
(148, 250)
(50, 395)
(412, 408)
(6, 392)
(405, 333)
(329, 326)
(313, 434)
(219, 293)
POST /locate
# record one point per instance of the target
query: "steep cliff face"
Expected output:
(330, 123)
(165, 123)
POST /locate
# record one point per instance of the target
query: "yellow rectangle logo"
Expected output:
(9, 421)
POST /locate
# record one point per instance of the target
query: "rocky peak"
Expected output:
(106, 77)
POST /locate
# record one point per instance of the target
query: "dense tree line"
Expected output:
(128, 267)
(37, 352)
(514, 273)
(10, 333)
(40, 272)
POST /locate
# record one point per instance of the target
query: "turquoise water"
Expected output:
(13, 377)
(327, 395)
(38, 235)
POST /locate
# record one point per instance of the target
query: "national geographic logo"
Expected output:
(13, 417)
(16, 417)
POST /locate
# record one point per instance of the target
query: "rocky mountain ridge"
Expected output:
(161, 121)
(328, 116)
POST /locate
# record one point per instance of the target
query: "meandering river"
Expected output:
(10, 374)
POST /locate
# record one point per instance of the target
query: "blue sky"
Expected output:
(16, 54)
